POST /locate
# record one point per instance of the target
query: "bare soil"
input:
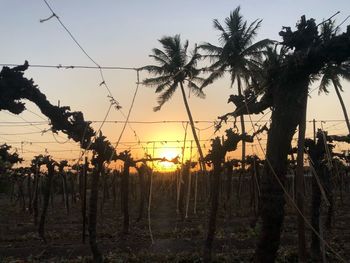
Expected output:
(174, 240)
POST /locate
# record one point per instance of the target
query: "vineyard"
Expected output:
(259, 183)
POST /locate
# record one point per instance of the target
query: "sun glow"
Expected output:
(169, 154)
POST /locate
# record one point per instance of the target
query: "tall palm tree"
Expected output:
(332, 72)
(236, 54)
(175, 69)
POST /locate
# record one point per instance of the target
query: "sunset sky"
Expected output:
(122, 33)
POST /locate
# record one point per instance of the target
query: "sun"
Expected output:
(169, 154)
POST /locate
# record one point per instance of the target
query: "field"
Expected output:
(175, 240)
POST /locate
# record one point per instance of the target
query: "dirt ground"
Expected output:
(174, 240)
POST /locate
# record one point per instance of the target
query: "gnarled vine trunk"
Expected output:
(97, 255)
(65, 190)
(142, 203)
(125, 197)
(35, 198)
(47, 193)
(287, 110)
(217, 157)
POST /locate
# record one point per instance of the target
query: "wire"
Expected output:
(54, 136)
(20, 133)
(69, 33)
(29, 123)
(60, 66)
(129, 112)
(41, 117)
(103, 82)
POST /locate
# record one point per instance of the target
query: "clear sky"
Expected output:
(122, 33)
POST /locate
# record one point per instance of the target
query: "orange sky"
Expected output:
(115, 39)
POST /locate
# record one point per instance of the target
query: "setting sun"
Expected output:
(169, 154)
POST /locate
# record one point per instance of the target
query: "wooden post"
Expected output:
(150, 201)
(189, 184)
(314, 127)
(195, 192)
(84, 198)
(180, 174)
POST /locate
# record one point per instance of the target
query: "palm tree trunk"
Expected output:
(342, 105)
(193, 128)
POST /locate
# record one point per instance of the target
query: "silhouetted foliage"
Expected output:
(14, 87)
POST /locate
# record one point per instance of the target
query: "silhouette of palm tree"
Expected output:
(236, 54)
(175, 68)
(332, 73)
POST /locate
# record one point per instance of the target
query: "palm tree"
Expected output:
(236, 54)
(175, 68)
(332, 72)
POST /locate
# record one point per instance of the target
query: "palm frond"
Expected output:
(192, 63)
(233, 78)
(162, 86)
(250, 33)
(172, 47)
(333, 73)
(336, 82)
(256, 48)
(165, 96)
(324, 83)
(218, 26)
(210, 48)
(158, 59)
(197, 91)
(159, 53)
(234, 21)
(157, 80)
(153, 69)
(198, 80)
(212, 77)
(219, 64)
(176, 66)
(344, 71)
